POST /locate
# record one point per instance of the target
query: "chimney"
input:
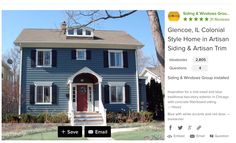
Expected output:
(63, 27)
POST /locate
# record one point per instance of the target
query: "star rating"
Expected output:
(196, 19)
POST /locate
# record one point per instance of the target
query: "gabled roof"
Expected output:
(57, 38)
(153, 70)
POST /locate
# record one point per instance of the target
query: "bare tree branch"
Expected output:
(95, 16)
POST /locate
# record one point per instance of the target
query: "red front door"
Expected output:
(82, 103)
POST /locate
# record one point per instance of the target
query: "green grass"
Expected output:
(45, 136)
(143, 133)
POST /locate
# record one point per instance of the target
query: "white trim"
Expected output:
(19, 110)
(85, 70)
(43, 50)
(81, 50)
(90, 85)
(117, 84)
(137, 81)
(109, 58)
(43, 84)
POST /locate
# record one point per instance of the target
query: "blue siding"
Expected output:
(65, 68)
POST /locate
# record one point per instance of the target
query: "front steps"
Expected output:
(88, 119)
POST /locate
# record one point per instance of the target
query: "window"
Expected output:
(71, 32)
(43, 92)
(87, 32)
(117, 92)
(81, 54)
(115, 59)
(79, 31)
(43, 58)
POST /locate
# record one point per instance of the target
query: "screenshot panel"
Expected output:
(123, 71)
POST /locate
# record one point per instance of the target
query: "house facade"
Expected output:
(78, 71)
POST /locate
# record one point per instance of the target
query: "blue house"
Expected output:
(81, 71)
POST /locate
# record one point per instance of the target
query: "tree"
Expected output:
(10, 88)
(98, 15)
(143, 60)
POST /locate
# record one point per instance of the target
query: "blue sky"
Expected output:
(137, 25)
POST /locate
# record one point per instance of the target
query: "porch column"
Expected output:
(70, 108)
(70, 97)
(100, 92)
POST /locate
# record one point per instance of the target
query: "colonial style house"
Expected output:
(79, 70)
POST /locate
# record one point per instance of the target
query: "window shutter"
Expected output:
(125, 59)
(33, 58)
(88, 54)
(54, 94)
(32, 94)
(127, 94)
(105, 59)
(73, 54)
(54, 58)
(106, 93)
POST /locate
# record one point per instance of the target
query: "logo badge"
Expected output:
(173, 16)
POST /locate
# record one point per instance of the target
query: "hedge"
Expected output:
(129, 117)
(40, 118)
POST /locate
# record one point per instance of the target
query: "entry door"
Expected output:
(82, 99)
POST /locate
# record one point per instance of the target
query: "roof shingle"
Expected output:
(29, 37)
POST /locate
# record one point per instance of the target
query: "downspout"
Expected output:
(19, 110)
(137, 81)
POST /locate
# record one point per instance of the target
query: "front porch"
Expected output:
(85, 98)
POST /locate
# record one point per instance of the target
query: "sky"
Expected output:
(137, 25)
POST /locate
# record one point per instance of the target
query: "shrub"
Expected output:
(40, 118)
(145, 117)
(10, 118)
(58, 118)
(129, 117)
(27, 118)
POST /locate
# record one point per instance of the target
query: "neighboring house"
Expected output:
(151, 73)
(9, 98)
(7, 74)
(82, 71)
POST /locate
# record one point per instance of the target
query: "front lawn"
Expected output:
(145, 131)
(45, 136)
(151, 132)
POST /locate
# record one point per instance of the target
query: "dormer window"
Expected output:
(80, 32)
(88, 32)
(70, 31)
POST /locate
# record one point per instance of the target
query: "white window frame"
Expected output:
(43, 50)
(120, 84)
(50, 92)
(81, 50)
(83, 33)
(109, 58)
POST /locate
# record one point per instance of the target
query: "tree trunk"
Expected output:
(159, 43)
